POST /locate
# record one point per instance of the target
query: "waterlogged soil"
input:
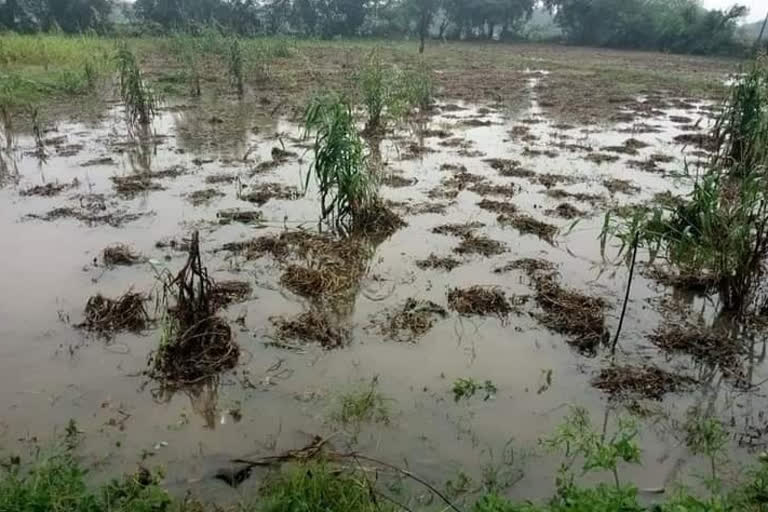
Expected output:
(190, 171)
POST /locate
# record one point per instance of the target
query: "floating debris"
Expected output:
(481, 245)
(530, 265)
(224, 293)
(414, 319)
(264, 192)
(647, 381)
(120, 254)
(461, 230)
(204, 196)
(566, 211)
(312, 326)
(438, 262)
(505, 207)
(529, 226)
(107, 316)
(479, 300)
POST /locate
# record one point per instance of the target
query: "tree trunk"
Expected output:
(762, 31)
(422, 31)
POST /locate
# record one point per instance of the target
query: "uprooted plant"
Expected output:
(140, 101)
(722, 228)
(194, 342)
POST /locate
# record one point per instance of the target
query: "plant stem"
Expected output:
(626, 298)
(616, 477)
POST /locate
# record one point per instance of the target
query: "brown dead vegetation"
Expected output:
(90, 217)
(414, 319)
(134, 184)
(529, 265)
(558, 193)
(704, 344)
(464, 229)
(220, 178)
(615, 185)
(49, 189)
(700, 140)
(480, 245)
(396, 181)
(261, 193)
(438, 262)
(106, 316)
(119, 254)
(527, 225)
(645, 381)
(601, 158)
(695, 282)
(498, 207)
(204, 196)
(230, 215)
(314, 327)
(566, 211)
(479, 300)
(196, 343)
(571, 313)
(485, 189)
(224, 293)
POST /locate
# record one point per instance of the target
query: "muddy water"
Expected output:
(276, 398)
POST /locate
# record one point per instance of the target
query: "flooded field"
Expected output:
(496, 195)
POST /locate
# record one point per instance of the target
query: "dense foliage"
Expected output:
(677, 25)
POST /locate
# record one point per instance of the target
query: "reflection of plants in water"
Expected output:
(203, 397)
(705, 435)
(140, 101)
(346, 187)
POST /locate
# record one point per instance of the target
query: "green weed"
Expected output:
(189, 51)
(468, 387)
(346, 188)
(364, 405)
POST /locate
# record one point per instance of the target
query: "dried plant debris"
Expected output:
(440, 133)
(645, 165)
(474, 122)
(414, 319)
(204, 196)
(558, 193)
(453, 168)
(107, 316)
(527, 225)
(195, 343)
(549, 180)
(504, 207)
(49, 189)
(230, 215)
(120, 254)
(709, 345)
(441, 192)
(396, 181)
(377, 222)
(566, 211)
(695, 282)
(549, 153)
(485, 189)
(464, 229)
(601, 158)
(220, 178)
(327, 280)
(623, 186)
(422, 208)
(224, 293)
(568, 312)
(438, 262)
(298, 243)
(645, 381)
(509, 168)
(461, 179)
(529, 265)
(680, 119)
(282, 154)
(261, 193)
(479, 300)
(312, 326)
(115, 219)
(480, 245)
(415, 151)
(134, 184)
(700, 140)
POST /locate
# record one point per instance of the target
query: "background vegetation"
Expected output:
(676, 26)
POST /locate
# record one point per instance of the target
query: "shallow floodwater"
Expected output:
(277, 399)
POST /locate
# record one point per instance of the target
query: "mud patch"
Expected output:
(479, 300)
(645, 381)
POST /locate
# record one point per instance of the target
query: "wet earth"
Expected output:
(537, 187)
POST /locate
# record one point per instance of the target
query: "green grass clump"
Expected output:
(467, 388)
(57, 484)
(362, 405)
(346, 187)
(315, 487)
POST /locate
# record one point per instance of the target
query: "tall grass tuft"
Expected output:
(722, 228)
(189, 50)
(236, 66)
(346, 188)
(139, 99)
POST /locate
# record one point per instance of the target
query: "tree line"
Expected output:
(668, 25)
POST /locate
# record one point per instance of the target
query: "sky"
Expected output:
(757, 8)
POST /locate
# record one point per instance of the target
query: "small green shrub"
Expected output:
(139, 99)
(362, 405)
(346, 188)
